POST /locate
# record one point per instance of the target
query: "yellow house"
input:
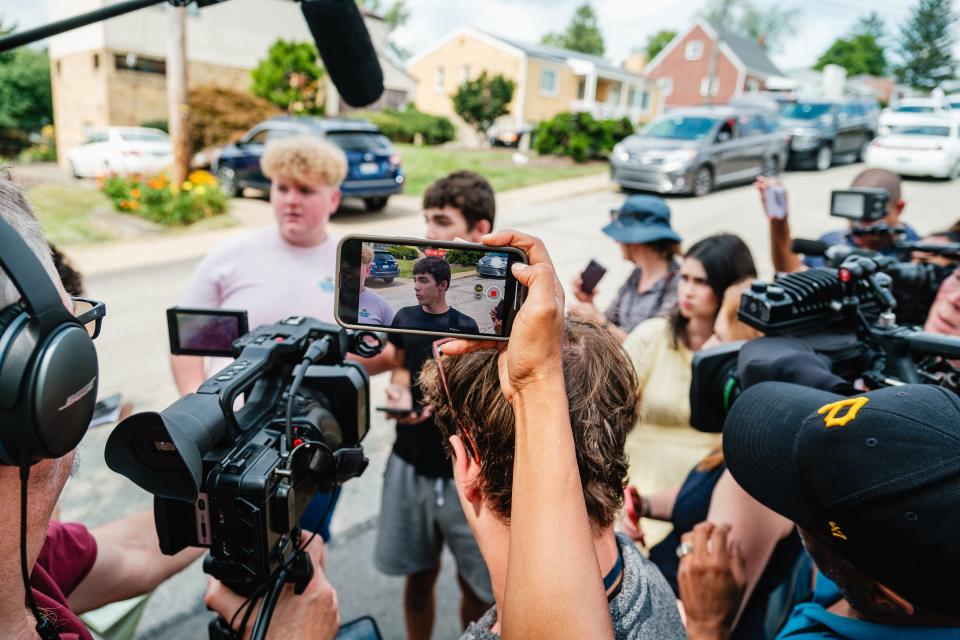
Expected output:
(548, 80)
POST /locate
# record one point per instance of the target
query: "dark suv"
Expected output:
(384, 267)
(820, 130)
(373, 171)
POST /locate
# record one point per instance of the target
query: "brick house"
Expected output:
(681, 68)
(114, 72)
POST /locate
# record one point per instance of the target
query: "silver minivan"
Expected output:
(693, 150)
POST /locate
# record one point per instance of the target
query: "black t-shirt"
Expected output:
(422, 444)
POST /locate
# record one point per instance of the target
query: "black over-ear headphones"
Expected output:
(48, 364)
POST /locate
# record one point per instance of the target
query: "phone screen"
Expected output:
(420, 286)
(776, 201)
(204, 332)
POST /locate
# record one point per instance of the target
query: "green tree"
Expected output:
(26, 103)
(858, 54)
(482, 100)
(871, 25)
(289, 77)
(658, 41)
(926, 46)
(582, 34)
(770, 26)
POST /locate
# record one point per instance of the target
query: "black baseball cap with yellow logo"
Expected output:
(876, 475)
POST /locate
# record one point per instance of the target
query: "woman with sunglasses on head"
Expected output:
(642, 228)
(665, 446)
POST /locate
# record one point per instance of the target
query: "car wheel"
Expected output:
(862, 151)
(227, 176)
(375, 204)
(702, 182)
(824, 158)
(771, 166)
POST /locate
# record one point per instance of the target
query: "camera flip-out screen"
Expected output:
(205, 332)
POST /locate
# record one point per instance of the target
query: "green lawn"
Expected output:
(424, 165)
(67, 213)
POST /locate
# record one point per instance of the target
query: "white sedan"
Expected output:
(123, 150)
(918, 145)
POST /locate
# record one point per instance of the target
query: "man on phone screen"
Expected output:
(431, 281)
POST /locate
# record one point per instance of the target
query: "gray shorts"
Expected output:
(417, 515)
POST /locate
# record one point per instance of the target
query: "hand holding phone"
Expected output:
(774, 197)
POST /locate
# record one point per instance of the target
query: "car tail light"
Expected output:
(395, 160)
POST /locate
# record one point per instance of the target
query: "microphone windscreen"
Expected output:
(345, 47)
(809, 247)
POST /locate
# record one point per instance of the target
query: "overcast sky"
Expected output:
(626, 24)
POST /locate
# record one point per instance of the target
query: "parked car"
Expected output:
(493, 264)
(692, 150)
(927, 105)
(821, 130)
(384, 267)
(373, 172)
(124, 150)
(767, 101)
(918, 144)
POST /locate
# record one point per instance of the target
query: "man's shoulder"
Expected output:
(836, 237)
(462, 320)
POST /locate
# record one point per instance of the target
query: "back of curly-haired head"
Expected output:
(306, 160)
(602, 393)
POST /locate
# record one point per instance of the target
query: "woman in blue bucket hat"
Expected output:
(642, 228)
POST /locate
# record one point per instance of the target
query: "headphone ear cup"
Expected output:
(8, 315)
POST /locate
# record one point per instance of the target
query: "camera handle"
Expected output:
(299, 571)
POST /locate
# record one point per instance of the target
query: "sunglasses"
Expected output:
(90, 314)
(438, 358)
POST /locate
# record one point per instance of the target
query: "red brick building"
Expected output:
(681, 68)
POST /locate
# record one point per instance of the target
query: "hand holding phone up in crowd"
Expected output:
(774, 197)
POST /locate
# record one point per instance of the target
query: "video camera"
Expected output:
(237, 480)
(845, 316)
(862, 204)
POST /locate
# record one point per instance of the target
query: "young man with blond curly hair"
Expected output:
(278, 271)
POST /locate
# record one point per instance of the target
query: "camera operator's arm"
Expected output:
(313, 615)
(188, 373)
(553, 585)
(129, 563)
(784, 260)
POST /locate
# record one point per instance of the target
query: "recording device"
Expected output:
(862, 204)
(840, 320)
(591, 276)
(237, 480)
(428, 287)
(205, 332)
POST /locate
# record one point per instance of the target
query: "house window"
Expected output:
(131, 62)
(693, 50)
(58, 67)
(666, 86)
(548, 82)
(581, 88)
(632, 97)
(438, 81)
(96, 61)
(753, 85)
(645, 100)
(706, 81)
(464, 73)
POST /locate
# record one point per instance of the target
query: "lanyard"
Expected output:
(615, 572)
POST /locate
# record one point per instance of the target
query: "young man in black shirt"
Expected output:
(431, 281)
(420, 510)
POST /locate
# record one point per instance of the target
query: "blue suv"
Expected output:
(384, 267)
(373, 172)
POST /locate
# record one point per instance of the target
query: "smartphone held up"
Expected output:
(428, 287)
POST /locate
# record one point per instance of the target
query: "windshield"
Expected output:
(804, 111)
(359, 141)
(915, 108)
(679, 128)
(920, 130)
(143, 136)
(955, 105)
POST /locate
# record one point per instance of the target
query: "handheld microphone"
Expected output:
(345, 47)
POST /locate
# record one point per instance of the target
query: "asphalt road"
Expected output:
(133, 350)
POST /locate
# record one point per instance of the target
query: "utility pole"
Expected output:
(715, 53)
(178, 108)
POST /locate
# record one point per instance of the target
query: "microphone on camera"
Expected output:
(345, 47)
(809, 247)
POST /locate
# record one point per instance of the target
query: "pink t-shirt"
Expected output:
(268, 277)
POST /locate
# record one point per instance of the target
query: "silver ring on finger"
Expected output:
(684, 549)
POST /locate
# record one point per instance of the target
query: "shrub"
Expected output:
(482, 100)
(219, 116)
(459, 256)
(45, 150)
(580, 136)
(404, 126)
(163, 125)
(403, 253)
(158, 200)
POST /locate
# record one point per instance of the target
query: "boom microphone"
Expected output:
(345, 47)
(809, 247)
